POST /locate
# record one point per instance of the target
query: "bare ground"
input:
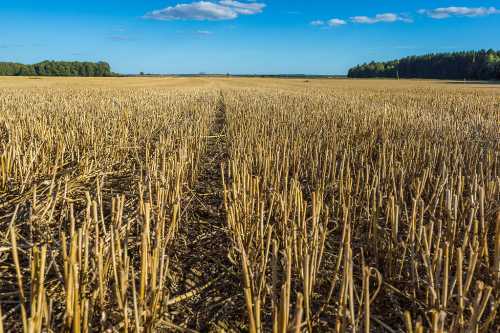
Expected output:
(208, 291)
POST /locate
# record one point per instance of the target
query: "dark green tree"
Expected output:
(56, 68)
(470, 65)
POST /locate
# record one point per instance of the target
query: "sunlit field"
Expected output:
(249, 204)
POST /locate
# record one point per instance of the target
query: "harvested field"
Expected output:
(255, 205)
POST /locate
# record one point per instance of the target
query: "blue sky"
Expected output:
(227, 36)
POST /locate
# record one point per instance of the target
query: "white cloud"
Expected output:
(446, 12)
(335, 22)
(206, 10)
(318, 23)
(386, 17)
(244, 8)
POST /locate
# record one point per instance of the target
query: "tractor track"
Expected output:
(207, 297)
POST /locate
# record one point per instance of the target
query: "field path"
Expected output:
(207, 283)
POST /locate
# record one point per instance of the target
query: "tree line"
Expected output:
(470, 65)
(56, 68)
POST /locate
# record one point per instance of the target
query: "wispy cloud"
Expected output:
(446, 12)
(437, 13)
(207, 11)
(204, 32)
(317, 23)
(380, 18)
(244, 8)
(335, 22)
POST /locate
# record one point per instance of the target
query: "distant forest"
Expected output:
(56, 68)
(470, 65)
